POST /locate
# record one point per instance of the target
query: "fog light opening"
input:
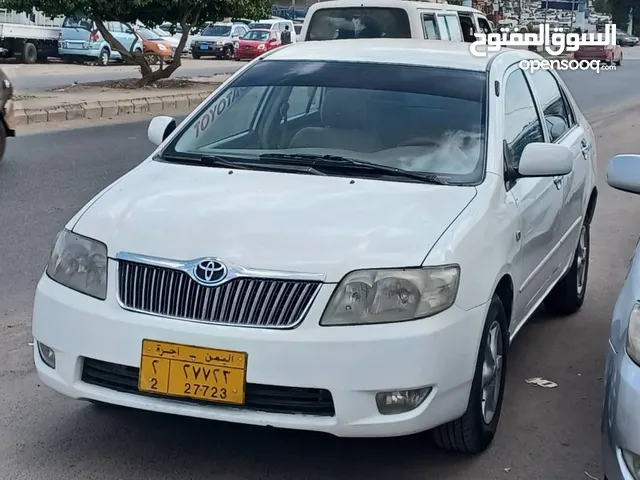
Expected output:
(401, 401)
(47, 355)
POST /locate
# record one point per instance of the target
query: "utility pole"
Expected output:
(630, 23)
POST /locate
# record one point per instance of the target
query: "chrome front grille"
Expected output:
(267, 303)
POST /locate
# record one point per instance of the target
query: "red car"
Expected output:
(611, 54)
(254, 43)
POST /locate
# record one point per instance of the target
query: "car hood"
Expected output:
(272, 221)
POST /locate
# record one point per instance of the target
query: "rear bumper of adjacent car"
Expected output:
(309, 377)
(621, 417)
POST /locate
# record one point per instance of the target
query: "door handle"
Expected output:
(585, 147)
(557, 181)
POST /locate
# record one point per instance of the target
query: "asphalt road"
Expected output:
(545, 434)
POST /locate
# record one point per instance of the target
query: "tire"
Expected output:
(475, 430)
(103, 58)
(3, 140)
(568, 295)
(619, 62)
(152, 59)
(30, 53)
(228, 53)
(195, 56)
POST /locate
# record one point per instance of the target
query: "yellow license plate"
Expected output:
(192, 372)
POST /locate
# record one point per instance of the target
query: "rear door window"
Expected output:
(430, 26)
(359, 22)
(453, 27)
(442, 28)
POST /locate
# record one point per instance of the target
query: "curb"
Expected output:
(107, 108)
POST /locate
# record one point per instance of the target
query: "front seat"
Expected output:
(343, 116)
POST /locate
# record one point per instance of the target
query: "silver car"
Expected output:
(621, 414)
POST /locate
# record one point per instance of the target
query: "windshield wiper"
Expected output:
(238, 163)
(339, 161)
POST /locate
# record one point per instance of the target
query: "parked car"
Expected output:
(217, 40)
(611, 54)
(620, 417)
(255, 43)
(155, 47)
(7, 121)
(625, 40)
(81, 41)
(168, 27)
(406, 261)
(167, 37)
(276, 25)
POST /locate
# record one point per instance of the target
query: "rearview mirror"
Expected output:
(160, 128)
(545, 160)
(623, 173)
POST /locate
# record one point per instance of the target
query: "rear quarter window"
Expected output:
(359, 22)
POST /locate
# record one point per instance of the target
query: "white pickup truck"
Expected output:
(28, 37)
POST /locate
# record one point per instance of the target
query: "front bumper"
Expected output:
(211, 50)
(351, 363)
(620, 417)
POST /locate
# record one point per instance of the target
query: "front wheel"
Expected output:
(474, 431)
(568, 295)
(228, 53)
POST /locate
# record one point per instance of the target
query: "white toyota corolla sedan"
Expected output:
(344, 237)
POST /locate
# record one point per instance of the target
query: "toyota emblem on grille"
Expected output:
(210, 272)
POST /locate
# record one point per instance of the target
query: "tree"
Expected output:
(619, 10)
(186, 13)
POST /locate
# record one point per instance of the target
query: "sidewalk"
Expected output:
(94, 102)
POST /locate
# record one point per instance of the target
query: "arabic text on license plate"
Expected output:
(192, 372)
(204, 47)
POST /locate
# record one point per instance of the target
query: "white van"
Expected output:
(276, 24)
(338, 19)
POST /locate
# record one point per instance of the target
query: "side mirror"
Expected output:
(545, 160)
(623, 173)
(160, 128)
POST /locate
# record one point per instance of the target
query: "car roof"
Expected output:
(392, 3)
(433, 53)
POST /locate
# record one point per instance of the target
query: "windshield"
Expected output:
(359, 22)
(161, 33)
(420, 119)
(263, 26)
(71, 22)
(216, 31)
(256, 35)
(148, 35)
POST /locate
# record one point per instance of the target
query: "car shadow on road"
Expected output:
(111, 438)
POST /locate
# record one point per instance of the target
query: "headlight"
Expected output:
(398, 295)
(219, 43)
(261, 46)
(79, 263)
(633, 334)
(162, 47)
